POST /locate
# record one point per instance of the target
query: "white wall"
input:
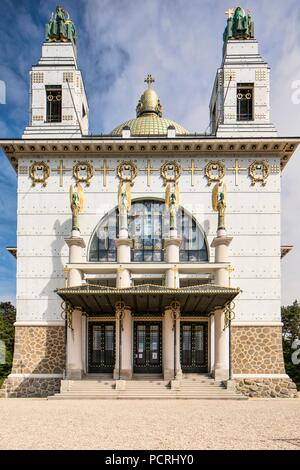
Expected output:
(252, 219)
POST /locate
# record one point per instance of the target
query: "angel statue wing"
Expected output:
(71, 193)
(177, 193)
(128, 195)
(119, 193)
(224, 194)
(167, 198)
(80, 196)
(215, 197)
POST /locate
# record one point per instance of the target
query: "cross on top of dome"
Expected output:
(149, 80)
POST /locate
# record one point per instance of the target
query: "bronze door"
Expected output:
(101, 346)
(147, 348)
(193, 347)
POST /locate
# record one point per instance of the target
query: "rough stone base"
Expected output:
(29, 387)
(257, 350)
(39, 350)
(267, 388)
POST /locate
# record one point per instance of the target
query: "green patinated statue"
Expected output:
(60, 27)
(239, 25)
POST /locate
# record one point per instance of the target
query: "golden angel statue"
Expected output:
(77, 203)
(124, 196)
(124, 204)
(219, 202)
(172, 202)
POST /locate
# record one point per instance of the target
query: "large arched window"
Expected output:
(148, 226)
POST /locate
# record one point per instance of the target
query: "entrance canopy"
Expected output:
(148, 299)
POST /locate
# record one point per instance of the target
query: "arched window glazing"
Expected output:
(148, 225)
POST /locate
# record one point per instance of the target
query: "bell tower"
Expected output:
(240, 101)
(58, 106)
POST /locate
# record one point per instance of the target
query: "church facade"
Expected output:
(149, 251)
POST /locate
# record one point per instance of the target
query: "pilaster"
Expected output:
(168, 345)
(74, 332)
(123, 368)
(221, 244)
(221, 340)
(126, 345)
(221, 368)
(172, 247)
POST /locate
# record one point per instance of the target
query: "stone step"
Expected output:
(146, 390)
(170, 394)
(146, 397)
(141, 389)
(102, 387)
(192, 387)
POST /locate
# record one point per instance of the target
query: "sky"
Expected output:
(180, 43)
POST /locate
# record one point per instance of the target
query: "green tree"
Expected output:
(7, 336)
(291, 331)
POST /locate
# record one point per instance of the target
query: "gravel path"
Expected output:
(153, 424)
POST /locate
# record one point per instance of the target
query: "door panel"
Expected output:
(140, 355)
(101, 347)
(186, 344)
(193, 347)
(154, 345)
(147, 347)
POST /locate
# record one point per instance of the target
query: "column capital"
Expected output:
(75, 241)
(121, 308)
(223, 240)
(172, 241)
(123, 242)
(174, 308)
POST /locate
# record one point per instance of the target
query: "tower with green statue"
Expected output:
(60, 27)
(239, 25)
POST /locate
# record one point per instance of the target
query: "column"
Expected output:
(83, 342)
(123, 277)
(123, 246)
(172, 277)
(168, 345)
(221, 369)
(171, 336)
(74, 351)
(221, 244)
(119, 316)
(178, 371)
(172, 246)
(74, 333)
(212, 343)
(126, 345)
(123, 367)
